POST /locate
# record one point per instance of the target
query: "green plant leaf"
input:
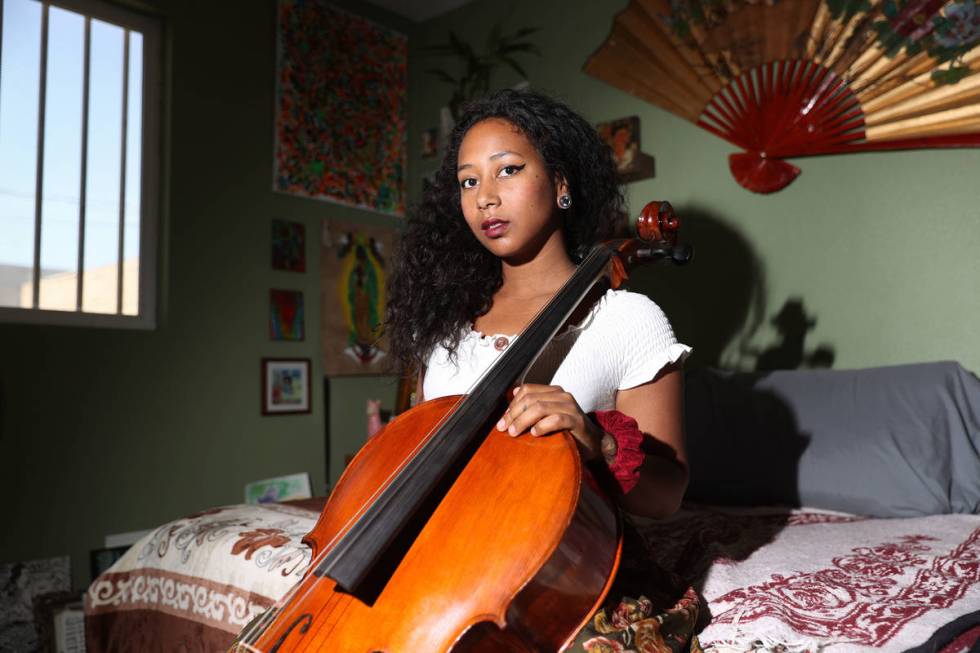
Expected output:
(520, 47)
(442, 75)
(514, 65)
(494, 36)
(440, 50)
(462, 48)
(526, 31)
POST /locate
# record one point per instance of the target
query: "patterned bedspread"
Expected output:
(773, 580)
(806, 580)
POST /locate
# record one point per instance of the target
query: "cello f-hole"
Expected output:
(306, 618)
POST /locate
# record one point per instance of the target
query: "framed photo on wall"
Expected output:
(623, 138)
(286, 386)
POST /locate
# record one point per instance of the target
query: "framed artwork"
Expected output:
(430, 143)
(623, 137)
(341, 107)
(102, 559)
(788, 79)
(288, 246)
(286, 386)
(280, 488)
(353, 270)
(286, 315)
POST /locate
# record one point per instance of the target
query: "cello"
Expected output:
(443, 534)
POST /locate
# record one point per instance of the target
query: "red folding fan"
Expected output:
(791, 78)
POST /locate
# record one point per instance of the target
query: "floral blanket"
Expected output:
(808, 580)
(772, 580)
(193, 584)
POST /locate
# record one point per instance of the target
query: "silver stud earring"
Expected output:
(564, 201)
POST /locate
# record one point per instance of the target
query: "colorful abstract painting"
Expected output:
(353, 269)
(288, 246)
(286, 315)
(340, 107)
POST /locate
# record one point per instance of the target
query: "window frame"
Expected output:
(151, 150)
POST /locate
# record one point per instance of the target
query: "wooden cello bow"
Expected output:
(444, 534)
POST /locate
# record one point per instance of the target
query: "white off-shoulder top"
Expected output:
(624, 341)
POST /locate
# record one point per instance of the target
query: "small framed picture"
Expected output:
(286, 386)
(286, 315)
(280, 488)
(623, 138)
(430, 143)
(102, 559)
(288, 246)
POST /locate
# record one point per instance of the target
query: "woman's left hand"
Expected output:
(546, 409)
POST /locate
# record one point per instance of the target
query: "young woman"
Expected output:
(526, 185)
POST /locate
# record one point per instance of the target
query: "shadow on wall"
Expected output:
(718, 298)
(792, 323)
(716, 304)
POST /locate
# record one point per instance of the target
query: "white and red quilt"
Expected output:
(774, 580)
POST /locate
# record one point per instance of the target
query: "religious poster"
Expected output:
(354, 264)
(341, 107)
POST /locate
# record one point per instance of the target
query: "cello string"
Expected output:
(258, 627)
(407, 460)
(325, 622)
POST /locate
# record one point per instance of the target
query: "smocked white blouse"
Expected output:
(623, 342)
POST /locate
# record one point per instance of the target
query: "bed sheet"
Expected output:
(774, 580)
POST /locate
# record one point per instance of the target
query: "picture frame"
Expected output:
(344, 138)
(286, 315)
(102, 559)
(623, 138)
(288, 246)
(430, 143)
(286, 386)
(278, 489)
(354, 266)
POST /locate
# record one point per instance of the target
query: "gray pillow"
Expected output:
(889, 442)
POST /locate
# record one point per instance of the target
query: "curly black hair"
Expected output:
(443, 278)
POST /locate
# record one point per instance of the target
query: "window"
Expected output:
(79, 152)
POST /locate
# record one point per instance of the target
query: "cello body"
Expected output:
(516, 556)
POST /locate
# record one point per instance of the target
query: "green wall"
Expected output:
(106, 431)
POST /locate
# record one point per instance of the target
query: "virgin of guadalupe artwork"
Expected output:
(353, 271)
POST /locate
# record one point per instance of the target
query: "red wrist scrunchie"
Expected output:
(629, 437)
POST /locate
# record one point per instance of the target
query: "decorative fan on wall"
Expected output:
(791, 78)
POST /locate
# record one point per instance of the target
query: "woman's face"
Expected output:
(507, 194)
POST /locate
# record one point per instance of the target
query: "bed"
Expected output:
(827, 509)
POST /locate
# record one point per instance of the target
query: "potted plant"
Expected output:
(474, 80)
